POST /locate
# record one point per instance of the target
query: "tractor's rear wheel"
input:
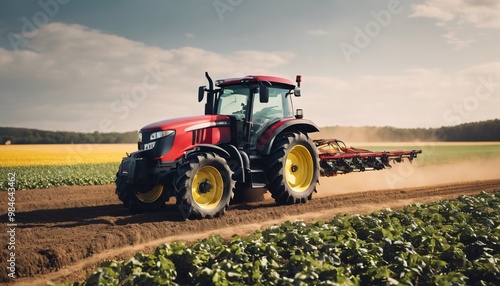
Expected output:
(204, 186)
(138, 200)
(292, 168)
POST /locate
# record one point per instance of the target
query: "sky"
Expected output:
(114, 66)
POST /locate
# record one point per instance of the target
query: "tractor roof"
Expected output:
(253, 78)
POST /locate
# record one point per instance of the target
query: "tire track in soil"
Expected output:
(65, 233)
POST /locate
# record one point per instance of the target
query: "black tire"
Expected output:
(204, 186)
(138, 202)
(294, 181)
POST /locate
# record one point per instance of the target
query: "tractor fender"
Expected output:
(266, 141)
(208, 148)
(226, 151)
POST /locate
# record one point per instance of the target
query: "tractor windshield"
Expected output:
(233, 100)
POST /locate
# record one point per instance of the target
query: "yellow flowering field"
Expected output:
(47, 166)
(64, 154)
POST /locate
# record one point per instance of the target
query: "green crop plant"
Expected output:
(42, 177)
(443, 243)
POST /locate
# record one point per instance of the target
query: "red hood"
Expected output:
(190, 123)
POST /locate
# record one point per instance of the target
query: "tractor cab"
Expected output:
(254, 103)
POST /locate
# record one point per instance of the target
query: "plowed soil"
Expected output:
(63, 234)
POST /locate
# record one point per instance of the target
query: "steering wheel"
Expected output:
(242, 110)
(267, 111)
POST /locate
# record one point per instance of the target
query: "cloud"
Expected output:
(454, 40)
(486, 69)
(70, 77)
(318, 32)
(479, 13)
(413, 98)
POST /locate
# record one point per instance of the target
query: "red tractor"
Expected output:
(249, 137)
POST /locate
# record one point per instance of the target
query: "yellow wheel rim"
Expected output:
(299, 168)
(207, 187)
(150, 196)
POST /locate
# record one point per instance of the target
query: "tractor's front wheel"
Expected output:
(292, 168)
(139, 200)
(204, 186)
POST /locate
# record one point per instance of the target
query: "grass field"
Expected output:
(46, 166)
(436, 153)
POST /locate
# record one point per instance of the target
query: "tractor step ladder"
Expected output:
(257, 173)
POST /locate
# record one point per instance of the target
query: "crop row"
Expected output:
(443, 243)
(40, 177)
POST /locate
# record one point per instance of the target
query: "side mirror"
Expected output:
(296, 92)
(201, 93)
(263, 94)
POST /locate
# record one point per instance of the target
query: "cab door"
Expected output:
(265, 114)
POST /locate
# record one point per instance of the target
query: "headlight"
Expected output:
(148, 146)
(140, 137)
(160, 134)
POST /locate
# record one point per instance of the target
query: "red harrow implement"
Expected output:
(336, 158)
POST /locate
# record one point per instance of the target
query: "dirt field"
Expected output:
(64, 233)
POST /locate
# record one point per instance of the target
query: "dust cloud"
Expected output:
(406, 175)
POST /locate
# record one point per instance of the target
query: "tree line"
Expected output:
(468, 132)
(10, 135)
(477, 131)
